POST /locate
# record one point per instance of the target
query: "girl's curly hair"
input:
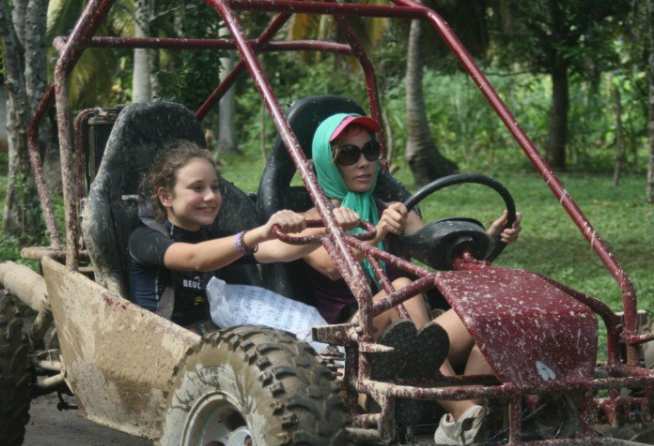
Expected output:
(163, 173)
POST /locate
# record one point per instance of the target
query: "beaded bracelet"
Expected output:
(239, 243)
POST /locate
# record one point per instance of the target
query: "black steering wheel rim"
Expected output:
(466, 178)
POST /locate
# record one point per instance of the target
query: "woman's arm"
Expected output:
(321, 261)
(396, 220)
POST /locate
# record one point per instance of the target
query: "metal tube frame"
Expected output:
(336, 242)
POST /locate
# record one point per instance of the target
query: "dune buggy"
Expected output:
(134, 371)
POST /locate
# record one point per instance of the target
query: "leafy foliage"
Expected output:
(536, 32)
(97, 75)
(292, 80)
(188, 76)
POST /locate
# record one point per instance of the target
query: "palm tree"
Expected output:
(94, 74)
(422, 154)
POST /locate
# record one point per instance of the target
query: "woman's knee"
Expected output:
(401, 282)
(461, 341)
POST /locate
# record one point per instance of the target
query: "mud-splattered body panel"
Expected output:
(529, 330)
(119, 359)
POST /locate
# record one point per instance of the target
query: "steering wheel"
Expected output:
(440, 242)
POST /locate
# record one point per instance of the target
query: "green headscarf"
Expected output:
(331, 181)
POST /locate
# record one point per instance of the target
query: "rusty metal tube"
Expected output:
(36, 164)
(93, 14)
(502, 391)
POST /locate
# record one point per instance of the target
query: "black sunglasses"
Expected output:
(348, 154)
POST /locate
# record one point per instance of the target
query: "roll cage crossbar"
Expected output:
(71, 48)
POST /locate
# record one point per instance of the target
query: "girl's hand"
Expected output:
(392, 220)
(288, 221)
(346, 218)
(507, 235)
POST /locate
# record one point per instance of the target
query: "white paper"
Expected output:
(232, 305)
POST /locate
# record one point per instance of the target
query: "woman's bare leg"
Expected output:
(477, 363)
(461, 342)
(463, 352)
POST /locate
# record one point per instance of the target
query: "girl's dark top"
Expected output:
(148, 276)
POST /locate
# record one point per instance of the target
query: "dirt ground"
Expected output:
(51, 427)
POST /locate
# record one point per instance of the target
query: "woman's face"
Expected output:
(360, 176)
(195, 200)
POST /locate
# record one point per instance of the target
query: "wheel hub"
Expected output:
(215, 420)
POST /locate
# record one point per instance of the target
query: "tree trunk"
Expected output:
(21, 209)
(558, 69)
(141, 75)
(619, 134)
(35, 84)
(558, 126)
(156, 9)
(35, 51)
(421, 153)
(18, 14)
(155, 66)
(226, 107)
(650, 165)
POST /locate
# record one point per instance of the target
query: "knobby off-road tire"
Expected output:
(254, 385)
(16, 374)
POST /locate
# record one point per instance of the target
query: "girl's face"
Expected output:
(358, 177)
(195, 200)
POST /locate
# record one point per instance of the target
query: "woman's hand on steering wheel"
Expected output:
(392, 220)
(499, 229)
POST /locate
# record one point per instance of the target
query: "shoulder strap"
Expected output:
(146, 215)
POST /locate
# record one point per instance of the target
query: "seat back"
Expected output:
(276, 192)
(141, 132)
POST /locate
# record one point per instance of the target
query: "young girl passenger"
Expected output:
(170, 267)
(346, 158)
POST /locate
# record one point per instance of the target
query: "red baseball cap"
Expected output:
(348, 120)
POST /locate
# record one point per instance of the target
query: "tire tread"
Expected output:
(302, 400)
(16, 374)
